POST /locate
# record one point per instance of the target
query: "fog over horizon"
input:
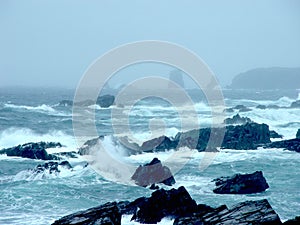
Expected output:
(52, 43)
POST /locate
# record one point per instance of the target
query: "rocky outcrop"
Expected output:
(239, 108)
(237, 119)
(105, 100)
(241, 184)
(86, 147)
(298, 134)
(295, 104)
(173, 203)
(274, 134)
(292, 144)
(153, 173)
(33, 150)
(107, 214)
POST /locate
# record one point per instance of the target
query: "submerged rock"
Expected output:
(33, 150)
(241, 184)
(106, 100)
(107, 214)
(153, 173)
(52, 167)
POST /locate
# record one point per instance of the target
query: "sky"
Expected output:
(53, 42)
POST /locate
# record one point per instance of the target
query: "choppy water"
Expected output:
(34, 115)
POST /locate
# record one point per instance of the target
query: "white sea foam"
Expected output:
(126, 220)
(15, 136)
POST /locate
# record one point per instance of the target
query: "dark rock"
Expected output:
(274, 134)
(33, 150)
(106, 100)
(65, 103)
(158, 144)
(246, 213)
(241, 184)
(173, 203)
(295, 104)
(107, 214)
(52, 167)
(247, 136)
(237, 119)
(298, 134)
(292, 144)
(153, 173)
(261, 107)
(229, 110)
(295, 221)
(273, 107)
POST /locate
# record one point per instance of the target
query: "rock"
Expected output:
(295, 104)
(158, 144)
(106, 100)
(52, 167)
(246, 213)
(107, 214)
(153, 173)
(242, 108)
(241, 184)
(33, 150)
(65, 103)
(67, 154)
(273, 107)
(172, 204)
(229, 110)
(247, 136)
(298, 134)
(88, 145)
(237, 119)
(274, 134)
(295, 221)
(292, 144)
(261, 107)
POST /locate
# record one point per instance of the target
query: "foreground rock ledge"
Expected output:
(175, 204)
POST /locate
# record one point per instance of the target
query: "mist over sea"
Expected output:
(33, 115)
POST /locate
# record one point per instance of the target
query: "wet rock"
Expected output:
(295, 221)
(242, 108)
(292, 144)
(72, 154)
(88, 145)
(261, 107)
(295, 104)
(158, 144)
(106, 100)
(237, 119)
(107, 214)
(298, 134)
(33, 150)
(153, 173)
(241, 184)
(173, 203)
(52, 167)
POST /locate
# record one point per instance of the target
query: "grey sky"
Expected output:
(52, 42)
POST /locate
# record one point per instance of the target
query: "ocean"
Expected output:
(34, 114)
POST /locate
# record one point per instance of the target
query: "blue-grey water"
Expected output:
(28, 115)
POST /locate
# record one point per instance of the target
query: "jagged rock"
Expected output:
(295, 221)
(65, 103)
(33, 150)
(67, 154)
(237, 119)
(153, 173)
(245, 137)
(106, 100)
(107, 214)
(295, 104)
(52, 167)
(241, 184)
(274, 134)
(298, 134)
(173, 203)
(158, 144)
(292, 144)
